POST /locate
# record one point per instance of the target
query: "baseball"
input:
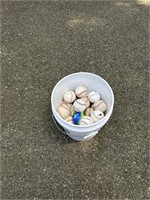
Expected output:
(72, 110)
(100, 105)
(79, 105)
(66, 105)
(97, 115)
(94, 96)
(88, 111)
(81, 91)
(69, 96)
(86, 120)
(64, 112)
(86, 101)
(69, 120)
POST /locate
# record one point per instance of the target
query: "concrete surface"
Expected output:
(41, 43)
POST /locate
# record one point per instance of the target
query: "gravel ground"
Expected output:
(43, 41)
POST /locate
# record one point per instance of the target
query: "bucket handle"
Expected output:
(88, 136)
(56, 124)
(61, 129)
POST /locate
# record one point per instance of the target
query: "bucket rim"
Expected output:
(82, 126)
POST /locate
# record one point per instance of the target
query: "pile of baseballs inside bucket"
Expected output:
(81, 107)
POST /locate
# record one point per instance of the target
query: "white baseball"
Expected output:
(81, 91)
(63, 111)
(88, 111)
(69, 120)
(72, 110)
(86, 101)
(97, 115)
(69, 96)
(100, 105)
(66, 105)
(79, 105)
(94, 96)
(86, 120)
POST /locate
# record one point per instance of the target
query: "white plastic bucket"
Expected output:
(92, 82)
